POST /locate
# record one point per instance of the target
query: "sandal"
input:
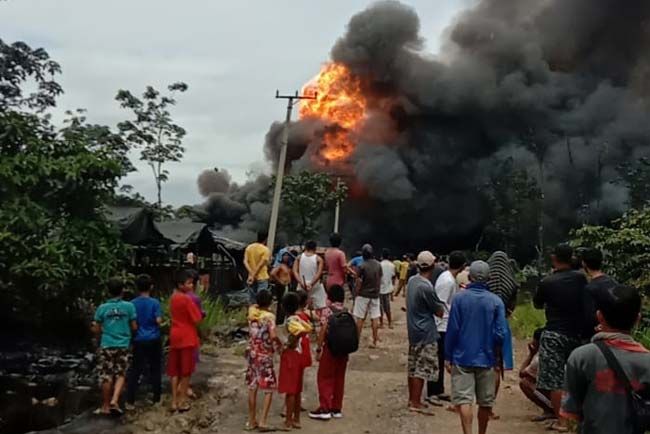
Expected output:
(555, 426)
(100, 412)
(116, 410)
(184, 408)
(250, 427)
(422, 410)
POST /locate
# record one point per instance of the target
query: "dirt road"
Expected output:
(375, 400)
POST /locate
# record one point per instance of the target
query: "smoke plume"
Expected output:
(560, 85)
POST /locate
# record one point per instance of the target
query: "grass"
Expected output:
(526, 319)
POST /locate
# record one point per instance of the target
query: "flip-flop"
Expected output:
(556, 427)
(184, 408)
(422, 411)
(543, 418)
(100, 412)
(116, 410)
(250, 428)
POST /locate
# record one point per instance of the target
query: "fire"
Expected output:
(339, 102)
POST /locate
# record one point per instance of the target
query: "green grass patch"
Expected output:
(526, 319)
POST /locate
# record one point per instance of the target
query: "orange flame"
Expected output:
(339, 102)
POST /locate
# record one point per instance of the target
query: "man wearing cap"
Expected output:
(422, 304)
(476, 328)
(368, 288)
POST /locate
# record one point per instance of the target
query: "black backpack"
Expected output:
(640, 403)
(342, 335)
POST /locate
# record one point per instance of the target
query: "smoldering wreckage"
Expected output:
(415, 134)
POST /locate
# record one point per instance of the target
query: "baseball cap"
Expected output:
(426, 259)
(479, 271)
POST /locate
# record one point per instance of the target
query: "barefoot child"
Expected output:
(114, 321)
(196, 299)
(292, 362)
(304, 314)
(183, 340)
(261, 346)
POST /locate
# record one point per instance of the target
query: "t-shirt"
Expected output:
(256, 253)
(148, 310)
(115, 317)
(370, 275)
(398, 266)
(404, 270)
(422, 304)
(595, 289)
(335, 262)
(594, 395)
(562, 294)
(185, 316)
(387, 276)
(356, 261)
(446, 288)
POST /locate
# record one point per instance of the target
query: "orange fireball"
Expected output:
(340, 103)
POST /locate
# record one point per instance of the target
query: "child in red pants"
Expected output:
(292, 361)
(331, 371)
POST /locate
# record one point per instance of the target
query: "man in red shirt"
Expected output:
(183, 340)
(337, 266)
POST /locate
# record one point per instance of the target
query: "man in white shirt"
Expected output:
(386, 289)
(446, 287)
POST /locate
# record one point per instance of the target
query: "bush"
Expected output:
(526, 319)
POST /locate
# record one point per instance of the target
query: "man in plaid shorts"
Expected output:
(114, 321)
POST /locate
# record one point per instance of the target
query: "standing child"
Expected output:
(292, 362)
(183, 340)
(261, 346)
(333, 361)
(114, 321)
(196, 299)
(147, 348)
(303, 314)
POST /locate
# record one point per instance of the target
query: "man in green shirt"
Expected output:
(114, 321)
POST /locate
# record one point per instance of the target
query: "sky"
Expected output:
(232, 54)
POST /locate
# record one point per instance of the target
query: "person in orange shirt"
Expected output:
(183, 340)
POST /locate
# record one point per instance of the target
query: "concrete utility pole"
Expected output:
(337, 210)
(277, 192)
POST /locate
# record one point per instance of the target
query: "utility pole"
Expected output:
(277, 192)
(337, 210)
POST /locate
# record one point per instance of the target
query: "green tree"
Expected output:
(153, 130)
(56, 247)
(626, 248)
(305, 196)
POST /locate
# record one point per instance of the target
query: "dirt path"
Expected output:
(375, 398)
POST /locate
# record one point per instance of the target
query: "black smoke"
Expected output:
(556, 84)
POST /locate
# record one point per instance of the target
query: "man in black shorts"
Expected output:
(562, 295)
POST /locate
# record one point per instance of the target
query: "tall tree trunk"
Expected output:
(540, 229)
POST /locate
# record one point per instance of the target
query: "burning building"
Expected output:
(559, 86)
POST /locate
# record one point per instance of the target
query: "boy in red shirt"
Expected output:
(183, 340)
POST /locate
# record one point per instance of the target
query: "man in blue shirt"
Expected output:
(147, 348)
(476, 328)
(114, 321)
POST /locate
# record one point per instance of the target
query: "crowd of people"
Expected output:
(581, 365)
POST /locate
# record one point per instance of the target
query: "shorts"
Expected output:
(469, 384)
(260, 373)
(385, 303)
(364, 305)
(112, 362)
(257, 286)
(423, 362)
(181, 362)
(554, 351)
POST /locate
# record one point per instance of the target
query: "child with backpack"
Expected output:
(337, 339)
(292, 361)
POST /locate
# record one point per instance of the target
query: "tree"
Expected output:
(636, 178)
(305, 196)
(626, 249)
(56, 247)
(515, 202)
(153, 130)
